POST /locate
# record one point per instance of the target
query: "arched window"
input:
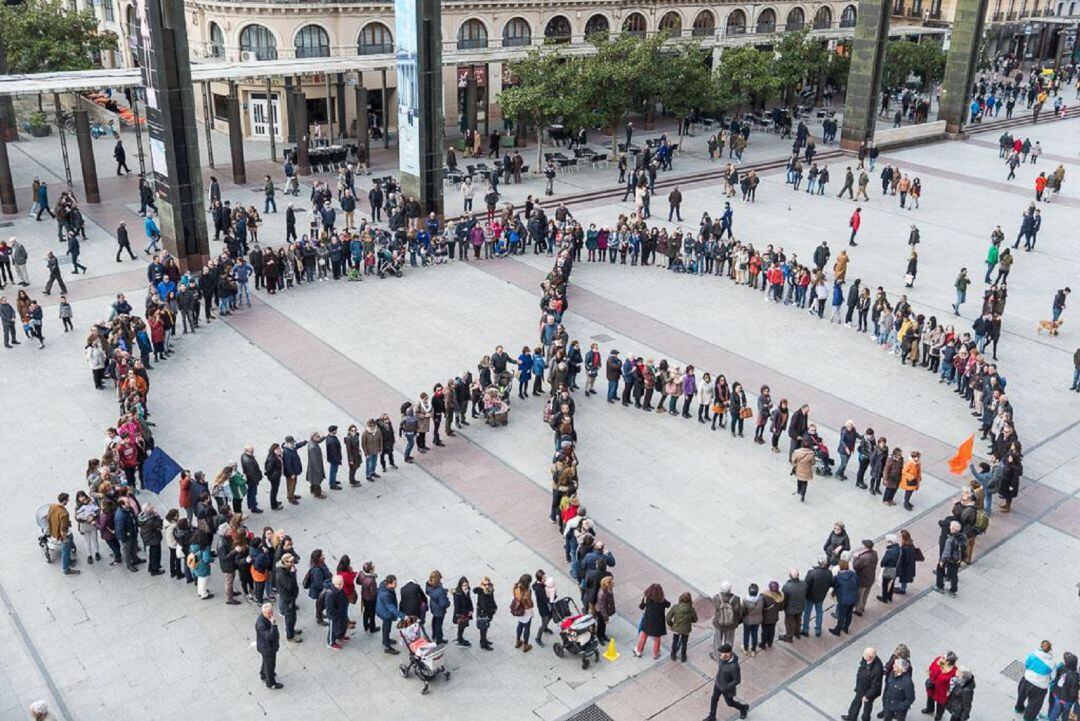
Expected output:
(823, 18)
(671, 24)
(736, 22)
(634, 25)
(258, 40)
(704, 24)
(848, 17)
(597, 25)
(557, 30)
(472, 34)
(375, 39)
(312, 42)
(516, 33)
(217, 41)
(795, 19)
(766, 22)
(132, 28)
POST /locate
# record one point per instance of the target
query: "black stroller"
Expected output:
(388, 262)
(577, 632)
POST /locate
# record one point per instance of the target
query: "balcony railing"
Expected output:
(375, 49)
(703, 32)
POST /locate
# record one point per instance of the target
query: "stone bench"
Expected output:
(909, 135)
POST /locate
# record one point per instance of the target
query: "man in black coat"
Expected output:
(208, 288)
(868, 681)
(288, 591)
(249, 466)
(800, 421)
(728, 678)
(819, 581)
(267, 639)
(333, 456)
(123, 243)
(337, 613)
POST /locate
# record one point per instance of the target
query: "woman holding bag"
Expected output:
(740, 411)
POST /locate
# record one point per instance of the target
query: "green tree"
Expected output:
(798, 58)
(42, 36)
(543, 94)
(685, 82)
(744, 75)
(904, 58)
(610, 81)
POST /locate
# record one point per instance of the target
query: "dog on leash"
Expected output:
(1050, 326)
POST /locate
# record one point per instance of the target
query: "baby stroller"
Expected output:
(388, 263)
(49, 545)
(577, 632)
(425, 656)
(496, 410)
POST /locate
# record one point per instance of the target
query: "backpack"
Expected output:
(725, 613)
(517, 608)
(191, 561)
(549, 411)
(982, 521)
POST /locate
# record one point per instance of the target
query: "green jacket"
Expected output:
(992, 255)
(238, 485)
(269, 189)
(681, 618)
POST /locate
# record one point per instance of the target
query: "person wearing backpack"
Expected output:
(726, 617)
(968, 515)
(949, 560)
(198, 561)
(316, 581)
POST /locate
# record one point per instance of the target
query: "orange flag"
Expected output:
(959, 463)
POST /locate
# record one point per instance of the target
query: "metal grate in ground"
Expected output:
(1014, 671)
(590, 713)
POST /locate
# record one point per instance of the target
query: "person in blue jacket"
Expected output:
(43, 201)
(317, 580)
(386, 609)
(846, 591)
(525, 366)
(292, 467)
(438, 604)
(539, 364)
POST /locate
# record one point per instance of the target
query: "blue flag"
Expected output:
(159, 469)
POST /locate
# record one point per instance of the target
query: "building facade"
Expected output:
(480, 39)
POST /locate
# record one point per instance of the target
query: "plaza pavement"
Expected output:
(676, 502)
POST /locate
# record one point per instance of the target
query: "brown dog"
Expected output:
(1050, 326)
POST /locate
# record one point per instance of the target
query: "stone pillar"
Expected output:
(303, 161)
(290, 111)
(961, 63)
(864, 80)
(363, 134)
(343, 127)
(86, 156)
(7, 183)
(470, 100)
(236, 136)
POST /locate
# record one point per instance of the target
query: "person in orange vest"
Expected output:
(911, 478)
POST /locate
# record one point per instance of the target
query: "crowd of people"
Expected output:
(210, 524)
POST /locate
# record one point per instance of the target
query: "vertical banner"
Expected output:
(164, 59)
(408, 87)
(418, 50)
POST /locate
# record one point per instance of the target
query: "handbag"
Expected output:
(919, 555)
(746, 412)
(718, 409)
(888, 572)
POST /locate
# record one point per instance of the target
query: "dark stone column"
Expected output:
(363, 133)
(7, 183)
(236, 137)
(864, 80)
(470, 100)
(303, 162)
(86, 156)
(343, 127)
(961, 63)
(290, 111)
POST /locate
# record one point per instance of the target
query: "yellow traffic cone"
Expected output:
(611, 654)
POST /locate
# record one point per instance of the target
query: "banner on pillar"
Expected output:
(408, 87)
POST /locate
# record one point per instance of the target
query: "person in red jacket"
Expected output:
(855, 222)
(941, 672)
(1040, 186)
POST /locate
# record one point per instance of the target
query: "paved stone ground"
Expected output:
(678, 503)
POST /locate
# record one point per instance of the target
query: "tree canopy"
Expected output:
(42, 36)
(904, 58)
